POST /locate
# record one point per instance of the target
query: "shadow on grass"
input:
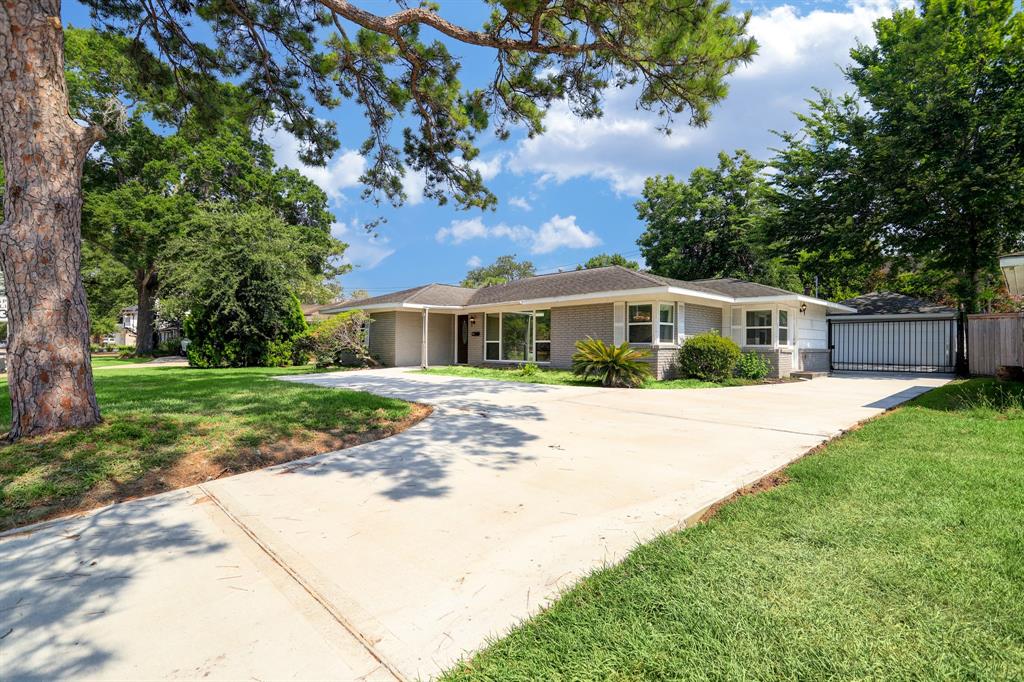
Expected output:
(156, 418)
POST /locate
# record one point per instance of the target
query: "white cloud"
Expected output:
(798, 52)
(556, 233)
(520, 203)
(413, 183)
(366, 250)
(474, 262)
(488, 168)
(474, 228)
(562, 232)
(341, 172)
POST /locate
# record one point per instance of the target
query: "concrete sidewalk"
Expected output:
(397, 557)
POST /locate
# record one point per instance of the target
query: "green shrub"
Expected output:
(168, 347)
(709, 357)
(752, 366)
(529, 369)
(244, 335)
(280, 353)
(615, 366)
(338, 340)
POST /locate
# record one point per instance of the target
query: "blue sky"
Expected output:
(569, 194)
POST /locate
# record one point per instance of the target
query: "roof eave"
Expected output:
(779, 298)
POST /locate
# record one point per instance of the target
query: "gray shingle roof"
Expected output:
(890, 303)
(571, 283)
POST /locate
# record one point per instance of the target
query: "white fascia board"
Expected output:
(390, 307)
(782, 298)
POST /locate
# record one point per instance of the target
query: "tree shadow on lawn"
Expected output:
(170, 427)
(59, 582)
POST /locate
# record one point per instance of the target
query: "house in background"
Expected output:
(128, 325)
(540, 319)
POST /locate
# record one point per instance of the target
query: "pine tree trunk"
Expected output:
(145, 286)
(43, 149)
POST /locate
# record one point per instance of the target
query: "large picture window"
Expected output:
(639, 318)
(519, 336)
(759, 327)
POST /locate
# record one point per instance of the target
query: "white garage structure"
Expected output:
(894, 333)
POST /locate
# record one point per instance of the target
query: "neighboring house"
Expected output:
(313, 312)
(128, 325)
(891, 332)
(540, 319)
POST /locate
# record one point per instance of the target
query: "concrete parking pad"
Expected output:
(397, 557)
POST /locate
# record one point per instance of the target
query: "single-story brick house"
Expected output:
(540, 319)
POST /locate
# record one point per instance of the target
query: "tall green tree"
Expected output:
(603, 260)
(230, 276)
(294, 57)
(929, 176)
(503, 269)
(710, 225)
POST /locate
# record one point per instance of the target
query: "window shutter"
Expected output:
(680, 323)
(619, 326)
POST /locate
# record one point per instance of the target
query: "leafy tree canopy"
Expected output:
(295, 56)
(711, 225)
(603, 260)
(504, 269)
(927, 176)
(230, 276)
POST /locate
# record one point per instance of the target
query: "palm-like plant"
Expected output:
(616, 366)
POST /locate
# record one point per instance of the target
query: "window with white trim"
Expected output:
(667, 322)
(639, 318)
(783, 327)
(542, 335)
(518, 336)
(759, 328)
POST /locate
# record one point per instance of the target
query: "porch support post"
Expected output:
(423, 337)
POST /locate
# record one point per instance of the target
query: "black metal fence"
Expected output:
(913, 345)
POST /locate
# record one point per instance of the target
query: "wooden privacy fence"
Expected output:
(994, 341)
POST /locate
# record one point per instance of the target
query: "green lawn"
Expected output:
(166, 427)
(563, 377)
(101, 361)
(897, 552)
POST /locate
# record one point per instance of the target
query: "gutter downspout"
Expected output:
(423, 345)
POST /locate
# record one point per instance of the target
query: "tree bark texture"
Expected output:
(43, 149)
(145, 286)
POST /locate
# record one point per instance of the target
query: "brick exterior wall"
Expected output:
(701, 318)
(814, 359)
(476, 343)
(780, 359)
(663, 362)
(572, 323)
(382, 338)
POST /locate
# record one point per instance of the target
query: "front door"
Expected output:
(462, 342)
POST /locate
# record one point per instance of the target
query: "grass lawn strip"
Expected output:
(563, 377)
(895, 552)
(167, 427)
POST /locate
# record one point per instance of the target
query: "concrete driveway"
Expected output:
(396, 558)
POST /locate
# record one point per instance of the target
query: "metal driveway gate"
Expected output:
(908, 345)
